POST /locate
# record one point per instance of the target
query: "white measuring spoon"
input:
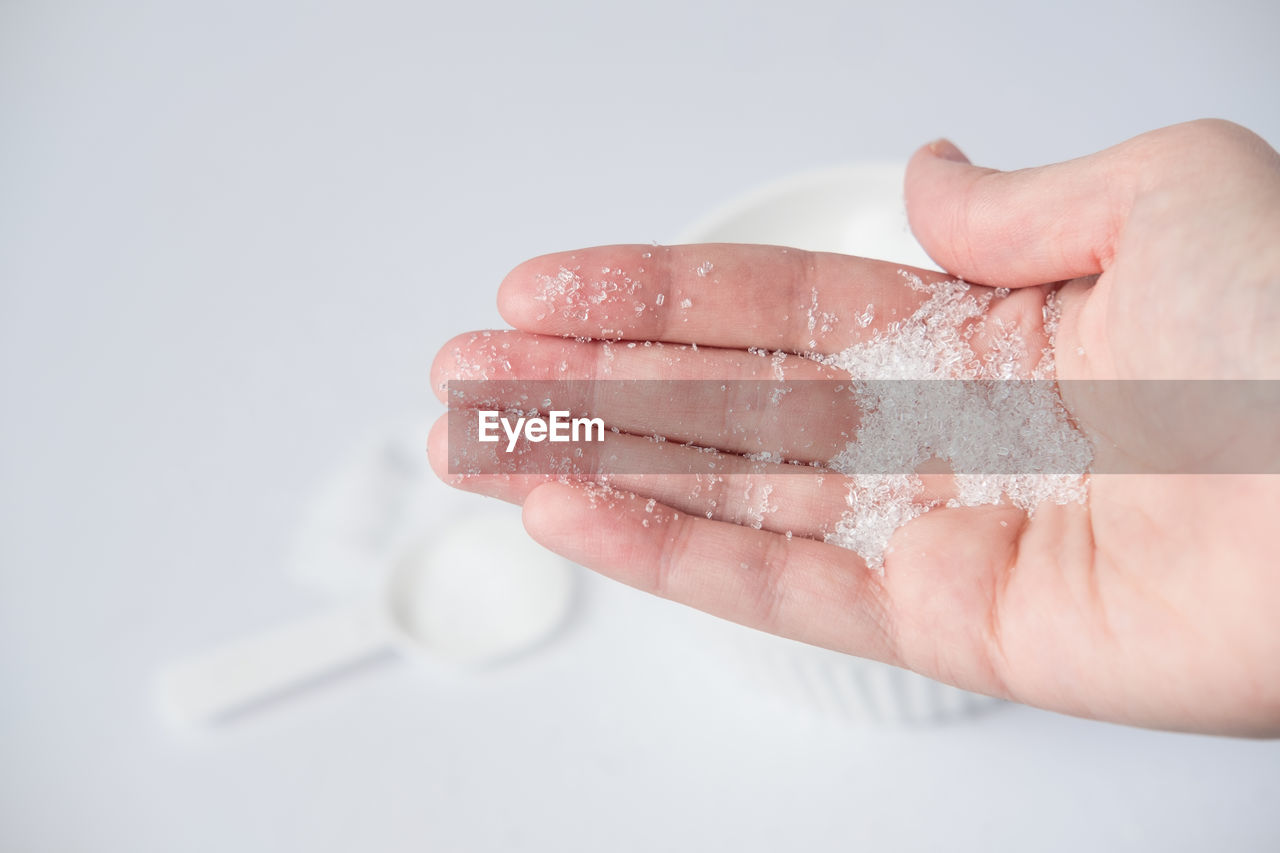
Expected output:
(477, 592)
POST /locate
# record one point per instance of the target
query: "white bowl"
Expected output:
(856, 210)
(853, 210)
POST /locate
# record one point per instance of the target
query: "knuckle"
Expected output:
(770, 595)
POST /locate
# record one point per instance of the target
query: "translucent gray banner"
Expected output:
(587, 428)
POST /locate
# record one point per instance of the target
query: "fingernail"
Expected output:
(944, 149)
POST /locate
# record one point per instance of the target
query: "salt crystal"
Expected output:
(910, 424)
(705, 268)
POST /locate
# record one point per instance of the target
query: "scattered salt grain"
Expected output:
(778, 358)
(570, 296)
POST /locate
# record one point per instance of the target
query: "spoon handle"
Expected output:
(220, 682)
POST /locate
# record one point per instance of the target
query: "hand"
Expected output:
(1153, 603)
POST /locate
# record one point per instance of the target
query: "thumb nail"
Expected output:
(944, 149)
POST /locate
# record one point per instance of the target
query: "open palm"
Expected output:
(1152, 603)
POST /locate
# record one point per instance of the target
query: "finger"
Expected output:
(929, 612)
(1009, 229)
(516, 355)
(505, 486)
(719, 295)
(741, 402)
(797, 587)
(790, 500)
(1065, 220)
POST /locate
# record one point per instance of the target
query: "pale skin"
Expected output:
(1156, 603)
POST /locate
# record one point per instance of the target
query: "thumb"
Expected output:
(1008, 229)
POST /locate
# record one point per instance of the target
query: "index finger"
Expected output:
(717, 294)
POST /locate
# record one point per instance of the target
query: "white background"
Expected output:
(233, 234)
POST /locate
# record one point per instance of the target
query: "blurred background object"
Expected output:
(232, 236)
(855, 209)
